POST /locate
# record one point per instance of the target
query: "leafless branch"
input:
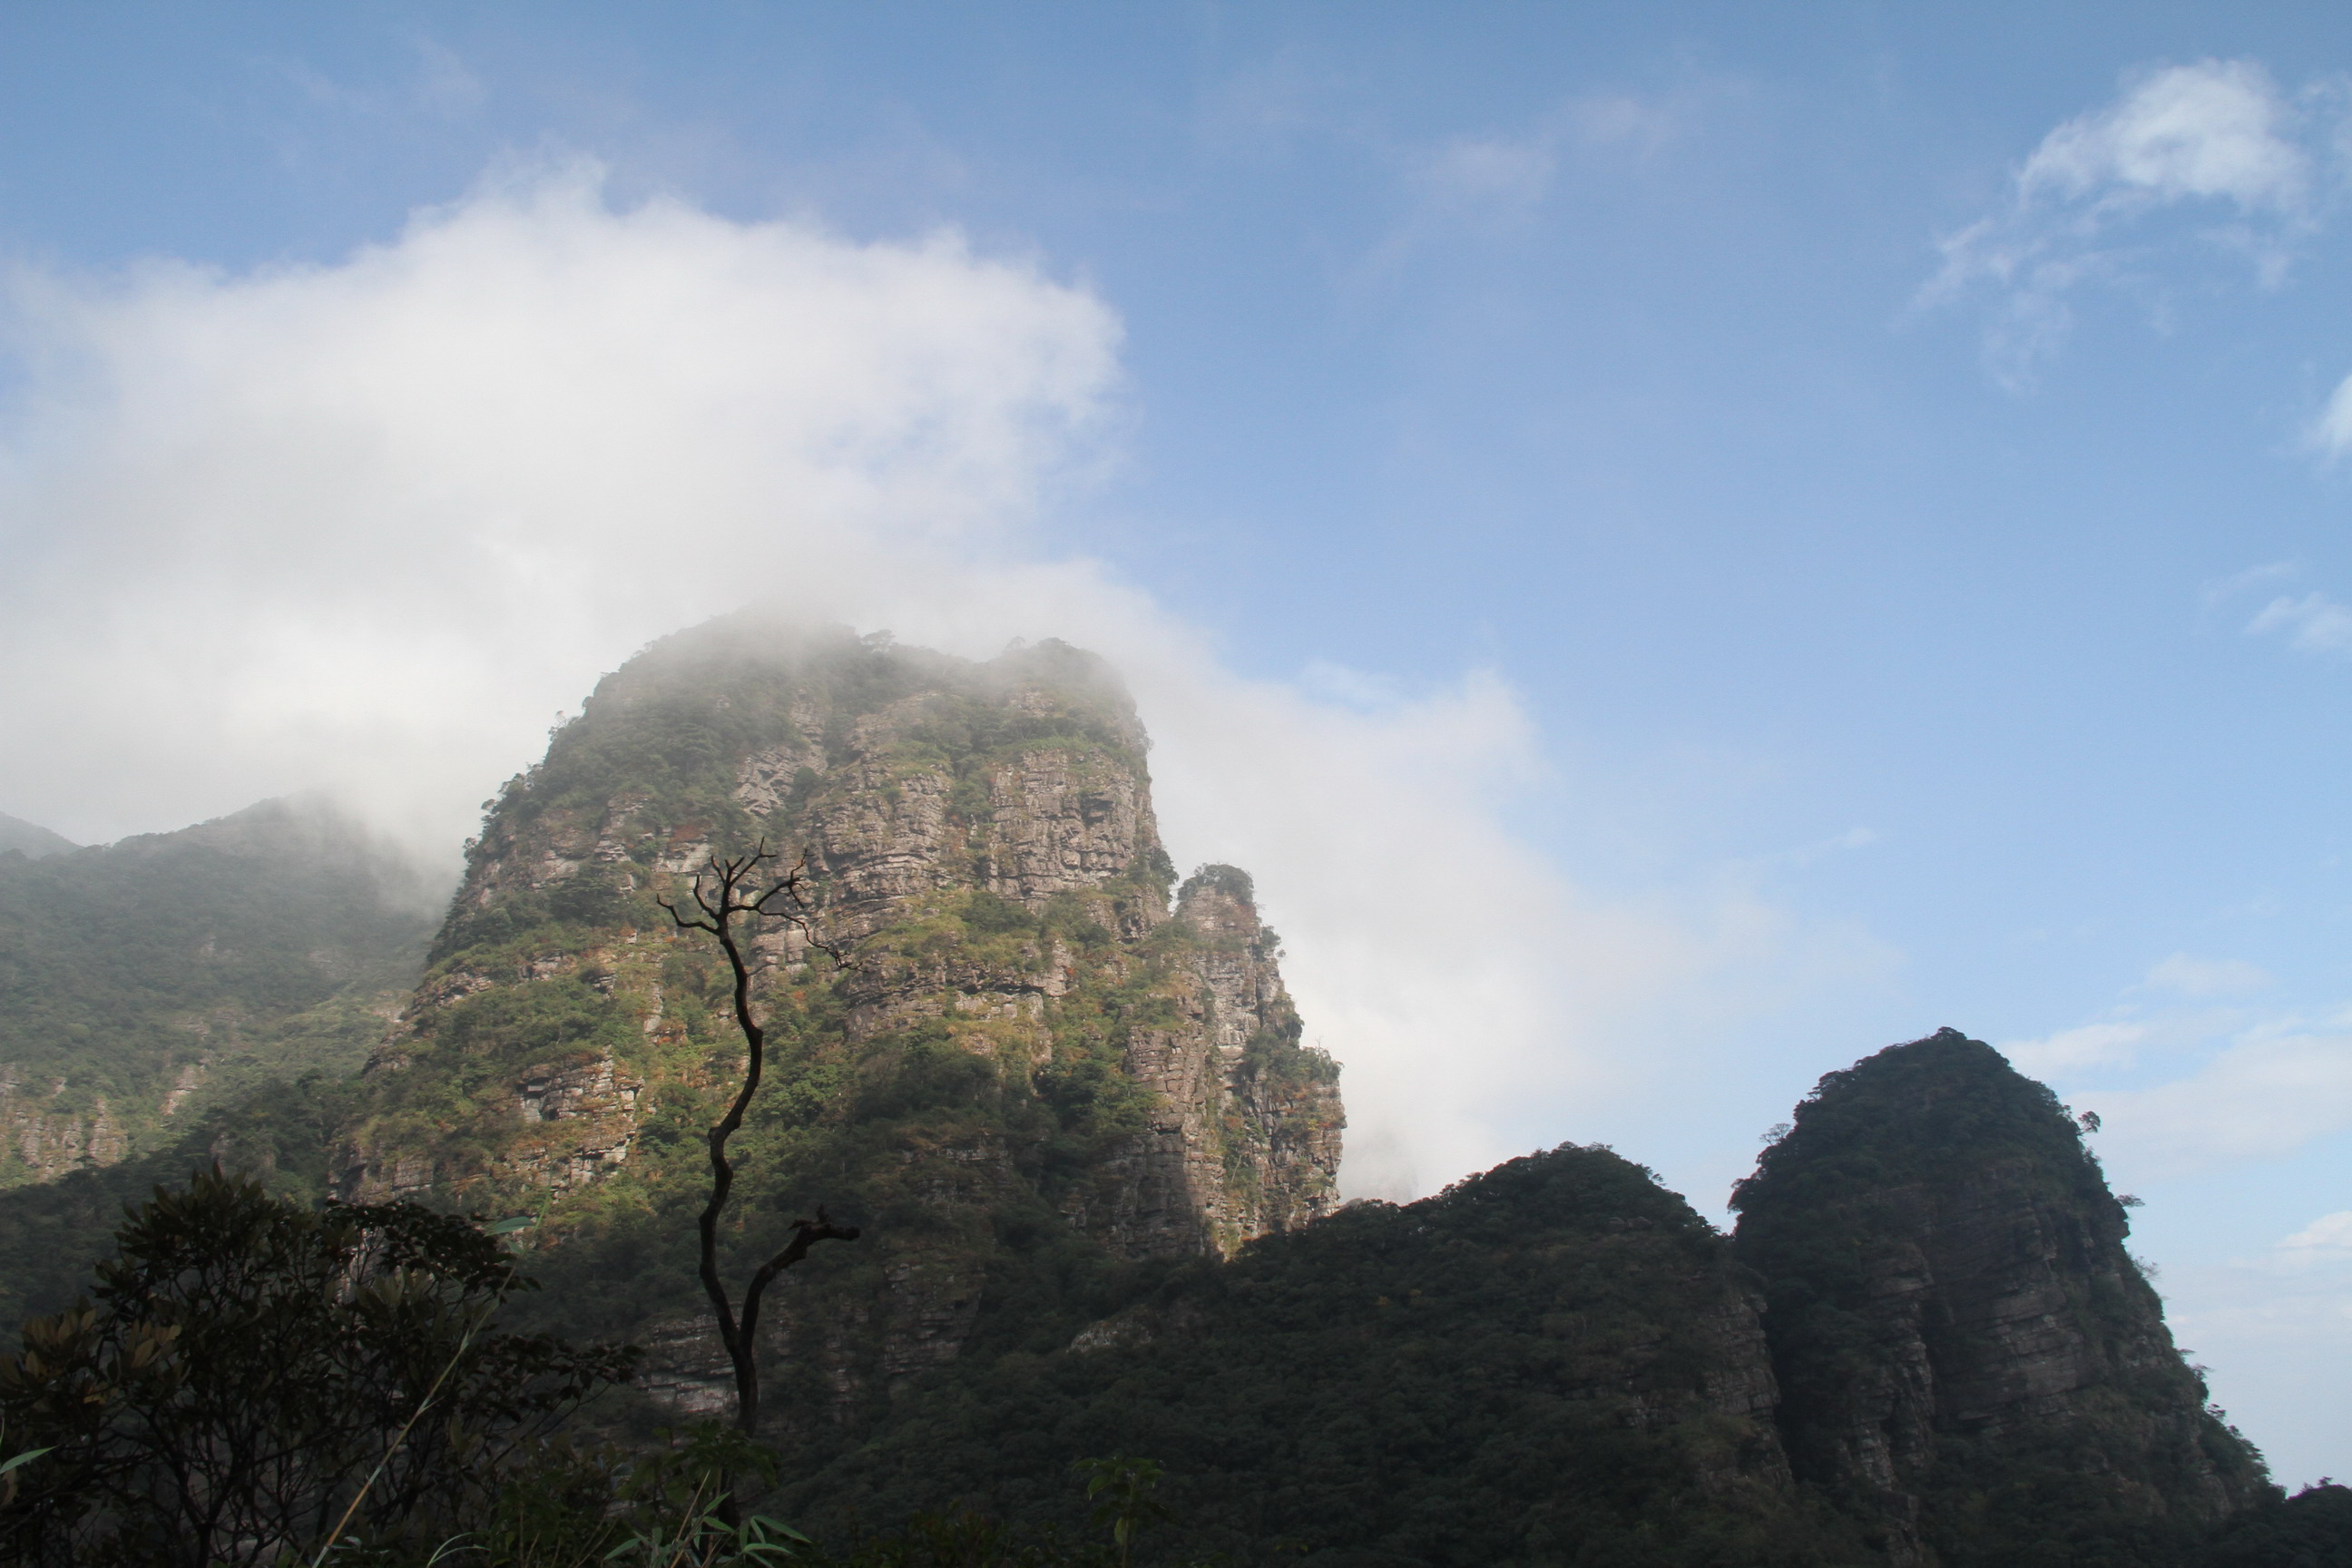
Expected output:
(727, 904)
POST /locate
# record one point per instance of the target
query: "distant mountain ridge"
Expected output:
(30, 839)
(150, 977)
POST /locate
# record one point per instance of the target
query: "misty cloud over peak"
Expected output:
(394, 512)
(371, 527)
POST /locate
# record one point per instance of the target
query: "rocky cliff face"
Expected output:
(47, 1140)
(1027, 1032)
(1242, 1143)
(1968, 1355)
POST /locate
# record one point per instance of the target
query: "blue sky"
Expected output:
(1684, 543)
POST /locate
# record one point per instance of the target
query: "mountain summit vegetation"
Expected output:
(1103, 1303)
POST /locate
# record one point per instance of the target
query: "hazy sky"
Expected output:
(1682, 544)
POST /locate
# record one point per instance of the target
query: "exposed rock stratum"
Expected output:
(1033, 1046)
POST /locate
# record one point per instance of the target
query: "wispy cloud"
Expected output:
(1514, 171)
(2188, 1078)
(441, 85)
(2274, 1088)
(1511, 173)
(2218, 138)
(2220, 591)
(1496, 181)
(2278, 1332)
(2073, 1050)
(2310, 623)
(2328, 1239)
(1799, 855)
(2331, 433)
(2218, 129)
(2313, 624)
(2202, 977)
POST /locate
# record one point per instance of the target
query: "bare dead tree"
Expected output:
(737, 906)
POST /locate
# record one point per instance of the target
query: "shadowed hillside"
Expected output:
(1968, 1356)
(1555, 1361)
(1062, 1098)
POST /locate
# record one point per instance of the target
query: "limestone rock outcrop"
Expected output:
(1240, 1148)
(47, 1140)
(1024, 1026)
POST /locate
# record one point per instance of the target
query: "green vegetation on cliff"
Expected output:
(51, 1233)
(664, 742)
(1093, 1163)
(1033, 1076)
(2312, 1529)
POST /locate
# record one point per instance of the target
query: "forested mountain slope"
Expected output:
(1063, 1098)
(1553, 1363)
(146, 981)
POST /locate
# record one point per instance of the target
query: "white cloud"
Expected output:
(370, 525)
(1328, 681)
(2216, 136)
(1491, 181)
(1804, 855)
(2202, 977)
(2328, 1237)
(1510, 172)
(1514, 172)
(1630, 120)
(2313, 624)
(2073, 1050)
(2223, 589)
(440, 84)
(2279, 1336)
(2215, 130)
(2331, 433)
(2275, 1088)
(378, 521)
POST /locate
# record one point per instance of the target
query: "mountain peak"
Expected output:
(1031, 1052)
(1954, 1316)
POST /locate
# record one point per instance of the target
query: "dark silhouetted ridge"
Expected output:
(1968, 1357)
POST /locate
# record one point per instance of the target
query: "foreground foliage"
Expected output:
(2312, 1529)
(254, 1377)
(1529, 1369)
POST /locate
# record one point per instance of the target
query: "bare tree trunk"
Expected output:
(735, 904)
